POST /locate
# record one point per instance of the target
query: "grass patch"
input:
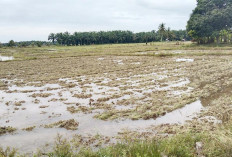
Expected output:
(67, 124)
(180, 145)
(134, 49)
(29, 128)
(105, 115)
(82, 96)
(4, 130)
(42, 95)
(8, 152)
(134, 149)
(183, 145)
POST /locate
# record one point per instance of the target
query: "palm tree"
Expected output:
(224, 35)
(162, 30)
(170, 34)
(52, 37)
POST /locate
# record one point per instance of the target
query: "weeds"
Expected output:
(8, 152)
(29, 128)
(67, 124)
(4, 130)
(180, 145)
(135, 149)
(43, 95)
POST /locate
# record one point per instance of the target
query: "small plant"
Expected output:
(82, 96)
(62, 148)
(8, 152)
(67, 124)
(42, 95)
(4, 130)
(131, 149)
(29, 128)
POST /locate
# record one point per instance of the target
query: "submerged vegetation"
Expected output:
(67, 124)
(120, 93)
(4, 130)
(187, 144)
(131, 82)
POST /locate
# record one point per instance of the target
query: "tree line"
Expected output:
(12, 43)
(105, 37)
(118, 36)
(211, 22)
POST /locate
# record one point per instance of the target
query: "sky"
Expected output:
(25, 20)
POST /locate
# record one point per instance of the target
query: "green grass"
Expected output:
(8, 152)
(136, 149)
(180, 145)
(133, 149)
(212, 45)
(29, 53)
(183, 145)
(156, 49)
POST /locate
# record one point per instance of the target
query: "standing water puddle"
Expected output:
(6, 58)
(28, 106)
(179, 116)
(30, 141)
(184, 60)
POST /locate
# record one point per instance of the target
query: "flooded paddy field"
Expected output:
(100, 99)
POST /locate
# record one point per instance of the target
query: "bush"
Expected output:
(11, 43)
(39, 44)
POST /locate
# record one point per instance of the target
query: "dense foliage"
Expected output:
(105, 37)
(11, 43)
(211, 21)
(113, 37)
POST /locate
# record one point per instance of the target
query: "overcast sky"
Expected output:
(22, 20)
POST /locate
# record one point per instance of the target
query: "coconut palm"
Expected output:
(170, 34)
(52, 37)
(162, 31)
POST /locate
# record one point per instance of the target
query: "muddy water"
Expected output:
(179, 116)
(30, 113)
(6, 58)
(30, 141)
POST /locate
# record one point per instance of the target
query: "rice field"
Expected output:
(96, 96)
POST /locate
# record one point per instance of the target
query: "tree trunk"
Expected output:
(217, 40)
(225, 39)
